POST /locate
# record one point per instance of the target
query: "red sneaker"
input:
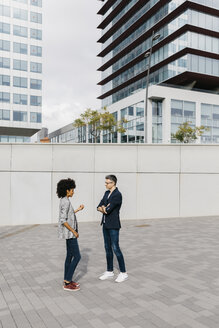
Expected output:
(71, 288)
(75, 283)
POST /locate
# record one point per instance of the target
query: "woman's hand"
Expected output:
(80, 208)
(76, 234)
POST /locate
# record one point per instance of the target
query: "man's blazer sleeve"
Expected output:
(114, 202)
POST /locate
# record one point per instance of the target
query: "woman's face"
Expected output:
(70, 193)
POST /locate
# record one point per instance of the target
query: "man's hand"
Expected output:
(100, 209)
(104, 209)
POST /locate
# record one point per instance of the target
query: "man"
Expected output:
(110, 206)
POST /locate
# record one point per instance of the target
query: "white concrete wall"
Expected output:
(157, 181)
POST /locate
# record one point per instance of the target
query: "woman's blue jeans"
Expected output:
(111, 243)
(73, 256)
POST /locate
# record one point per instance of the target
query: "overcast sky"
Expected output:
(70, 51)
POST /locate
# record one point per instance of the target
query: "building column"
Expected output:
(166, 116)
(198, 118)
(149, 122)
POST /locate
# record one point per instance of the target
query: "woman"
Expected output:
(68, 229)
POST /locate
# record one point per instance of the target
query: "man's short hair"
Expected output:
(111, 177)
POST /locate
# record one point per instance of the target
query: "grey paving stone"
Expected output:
(173, 268)
(7, 321)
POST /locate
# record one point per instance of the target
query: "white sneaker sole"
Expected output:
(122, 280)
(71, 290)
(106, 278)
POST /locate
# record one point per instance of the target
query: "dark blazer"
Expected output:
(111, 220)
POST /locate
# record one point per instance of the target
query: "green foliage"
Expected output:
(99, 121)
(186, 133)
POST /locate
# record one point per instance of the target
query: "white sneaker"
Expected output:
(107, 275)
(122, 277)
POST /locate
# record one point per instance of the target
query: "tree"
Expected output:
(99, 121)
(186, 133)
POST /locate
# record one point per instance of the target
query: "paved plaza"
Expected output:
(173, 267)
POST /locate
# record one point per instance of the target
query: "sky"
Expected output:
(70, 60)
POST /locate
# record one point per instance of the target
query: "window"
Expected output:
(131, 110)
(19, 99)
(4, 45)
(35, 34)
(35, 84)
(5, 97)
(20, 48)
(36, 51)
(20, 82)
(20, 31)
(123, 112)
(35, 67)
(4, 62)
(5, 11)
(210, 119)
(157, 134)
(35, 100)
(20, 14)
(182, 111)
(5, 80)
(20, 65)
(21, 1)
(19, 116)
(5, 114)
(4, 28)
(36, 17)
(35, 117)
(37, 3)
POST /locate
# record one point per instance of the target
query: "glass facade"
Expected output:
(20, 48)
(13, 139)
(134, 114)
(20, 65)
(4, 28)
(19, 116)
(182, 111)
(35, 100)
(19, 99)
(35, 117)
(157, 126)
(4, 62)
(124, 44)
(210, 119)
(36, 67)
(5, 114)
(36, 51)
(20, 82)
(5, 80)
(21, 76)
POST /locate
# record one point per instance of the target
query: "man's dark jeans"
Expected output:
(111, 242)
(73, 256)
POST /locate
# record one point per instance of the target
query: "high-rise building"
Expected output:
(179, 41)
(20, 69)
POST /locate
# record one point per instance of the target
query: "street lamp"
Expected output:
(148, 54)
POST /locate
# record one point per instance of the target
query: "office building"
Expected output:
(183, 38)
(20, 69)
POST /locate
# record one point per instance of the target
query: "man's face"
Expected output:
(109, 184)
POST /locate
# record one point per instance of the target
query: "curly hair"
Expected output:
(64, 185)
